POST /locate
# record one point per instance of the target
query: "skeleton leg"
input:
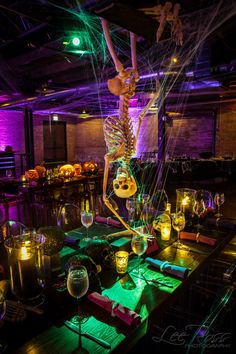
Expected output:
(164, 13)
(105, 27)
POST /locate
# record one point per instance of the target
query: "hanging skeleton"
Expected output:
(118, 131)
(163, 14)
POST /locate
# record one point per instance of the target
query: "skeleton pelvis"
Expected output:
(124, 185)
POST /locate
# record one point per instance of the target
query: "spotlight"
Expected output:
(76, 41)
(55, 117)
(174, 60)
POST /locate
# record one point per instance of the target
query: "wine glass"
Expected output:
(131, 207)
(77, 285)
(219, 199)
(8, 173)
(139, 246)
(178, 223)
(198, 209)
(86, 220)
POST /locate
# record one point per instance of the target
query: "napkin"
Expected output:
(198, 238)
(108, 221)
(166, 267)
(220, 223)
(128, 316)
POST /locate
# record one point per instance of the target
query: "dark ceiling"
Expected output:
(38, 62)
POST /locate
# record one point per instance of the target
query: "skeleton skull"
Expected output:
(124, 185)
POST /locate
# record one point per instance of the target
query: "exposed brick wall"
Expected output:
(226, 144)
(85, 138)
(190, 136)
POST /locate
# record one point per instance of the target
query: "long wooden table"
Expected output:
(48, 334)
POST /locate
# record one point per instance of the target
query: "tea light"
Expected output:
(122, 258)
(165, 231)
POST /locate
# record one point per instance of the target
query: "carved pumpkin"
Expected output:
(31, 175)
(90, 167)
(78, 169)
(41, 171)
(67, 170)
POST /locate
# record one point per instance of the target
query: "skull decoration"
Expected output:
(124, 185)
(101, 252)
(89, 264)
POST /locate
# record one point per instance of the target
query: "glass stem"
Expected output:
(87, 232)
(79, 328)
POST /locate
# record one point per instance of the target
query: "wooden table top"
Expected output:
(47, 335)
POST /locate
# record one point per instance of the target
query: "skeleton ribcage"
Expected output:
(118, 132)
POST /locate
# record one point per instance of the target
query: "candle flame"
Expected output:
(185, 201)
(24, 254)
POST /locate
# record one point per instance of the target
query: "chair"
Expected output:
(12, 228)
(68, 217)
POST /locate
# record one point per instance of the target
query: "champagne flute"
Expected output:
(131, 207)
(86, 220)
(77, 285)
(139, 247)
(178, 223)
(219, 199)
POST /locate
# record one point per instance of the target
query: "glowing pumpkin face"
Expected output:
(67, 171)
(78, 169)
(31, 175)
(90, 167)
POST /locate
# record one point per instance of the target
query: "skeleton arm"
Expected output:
(143, 113)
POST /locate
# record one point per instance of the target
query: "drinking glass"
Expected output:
(131, 204)
(139, 246)
(219, 199)
(86, 220)
(178, 223)
(77, 285)
(199, 208)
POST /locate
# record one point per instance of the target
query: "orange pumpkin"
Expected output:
(78, 169)
(41, 171)
(67, 170)
(31, 175)
(90, 167)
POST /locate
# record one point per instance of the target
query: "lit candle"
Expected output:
(165, 231)
(26, 280)
(185, 202)
(122, 258)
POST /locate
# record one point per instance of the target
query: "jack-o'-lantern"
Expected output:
(67, 171)
(41, 171)
(90, 167)
(31, 175)
(78, 169)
